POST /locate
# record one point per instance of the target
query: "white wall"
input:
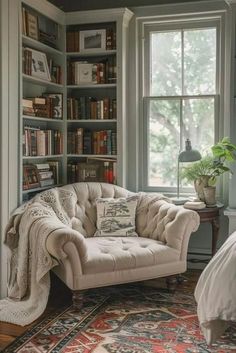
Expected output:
(201, 240)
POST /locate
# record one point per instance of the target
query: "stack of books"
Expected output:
(45, 175)
(194, 205)
(47, 106)
(28, 108)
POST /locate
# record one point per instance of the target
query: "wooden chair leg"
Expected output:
(77, 299)
(171, 282)
(180, 279)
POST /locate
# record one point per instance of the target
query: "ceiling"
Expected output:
(78, 5)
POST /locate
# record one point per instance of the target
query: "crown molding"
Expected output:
(97, 16)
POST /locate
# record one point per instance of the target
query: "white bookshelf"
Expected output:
(31, 86)
(92, 121)
(49, 156)
(35, 44)
(111, 156)
(39, 81)
(97, 53)
(38, 118)
(119, 19)
(92, 86)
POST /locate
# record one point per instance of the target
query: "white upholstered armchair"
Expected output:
(86, 261)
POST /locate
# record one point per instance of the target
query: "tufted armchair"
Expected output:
(159, 250)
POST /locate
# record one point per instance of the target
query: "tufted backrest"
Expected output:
(161, 220)
(156, 217)
(85, 213)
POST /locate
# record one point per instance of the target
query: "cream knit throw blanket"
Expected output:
(26, 234)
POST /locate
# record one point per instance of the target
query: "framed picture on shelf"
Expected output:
(89, 172)
(86, 73)
(30, 177)
(57, 104)
(92, 40)
(32, 26)
(40, 67)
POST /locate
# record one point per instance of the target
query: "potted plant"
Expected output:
(205, 172)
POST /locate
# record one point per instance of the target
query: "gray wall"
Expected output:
(72, 5)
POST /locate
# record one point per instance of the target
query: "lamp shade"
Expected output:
(189, 155)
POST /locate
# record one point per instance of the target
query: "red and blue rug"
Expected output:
(124, 319)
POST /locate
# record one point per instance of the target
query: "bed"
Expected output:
(215, 292)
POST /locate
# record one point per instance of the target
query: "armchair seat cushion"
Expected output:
(110, 254)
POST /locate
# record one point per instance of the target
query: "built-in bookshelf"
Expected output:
(42, 120)
(72, 97)
(92, 101)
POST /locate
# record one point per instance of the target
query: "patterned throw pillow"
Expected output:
(116, 217)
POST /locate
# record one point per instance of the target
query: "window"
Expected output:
(180, 96)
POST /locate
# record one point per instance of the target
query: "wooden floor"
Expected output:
(59, 295)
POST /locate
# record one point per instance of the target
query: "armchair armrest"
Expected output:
(166, 222)
(60, 242)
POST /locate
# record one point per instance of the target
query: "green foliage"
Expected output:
(212, 166)
(197, 121)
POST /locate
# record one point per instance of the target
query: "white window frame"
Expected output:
(145, 26)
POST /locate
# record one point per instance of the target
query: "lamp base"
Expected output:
(179, 200)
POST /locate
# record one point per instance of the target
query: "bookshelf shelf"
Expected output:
(112, 156)
(43, 157)
(39, 81)
(91, 54)
(96, 86)
(40, 189)
(38, 118)
(92, 121)
(35, 44)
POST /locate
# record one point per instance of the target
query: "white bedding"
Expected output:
(215, 292)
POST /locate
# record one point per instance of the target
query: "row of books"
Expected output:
(47, 106)
(91, 108)
(48, 174)
(83, 72)
(83, 141)
(36, 63)
(80, 40)
(40, 175)
(37, 142)
(99, 171)
(39, 28)
(55, 71)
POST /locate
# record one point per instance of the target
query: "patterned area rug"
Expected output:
(124, 319)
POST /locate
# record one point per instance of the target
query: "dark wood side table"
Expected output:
(211, 215)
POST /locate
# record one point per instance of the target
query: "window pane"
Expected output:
(198, 126)
(165, 64)
(198, 123)
(163, 142)
(200, 61)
